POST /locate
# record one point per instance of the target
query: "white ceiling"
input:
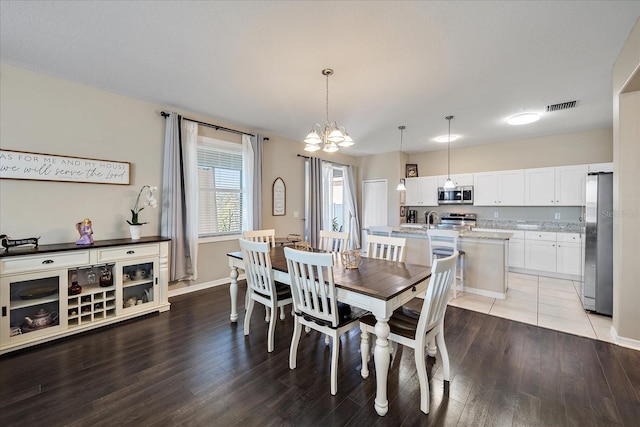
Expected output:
(258, 64)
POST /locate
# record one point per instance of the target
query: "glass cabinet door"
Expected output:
(33, 305)
(139, 285)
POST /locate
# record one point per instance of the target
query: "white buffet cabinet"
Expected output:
(119, 279)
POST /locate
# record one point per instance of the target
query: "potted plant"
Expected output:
(135, 224)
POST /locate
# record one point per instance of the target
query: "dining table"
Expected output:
(376, 285)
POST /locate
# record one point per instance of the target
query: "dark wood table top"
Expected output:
(380, 279)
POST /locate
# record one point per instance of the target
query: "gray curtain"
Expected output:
(178, 197)
(350, 207)
(257, 143)
(314, 193)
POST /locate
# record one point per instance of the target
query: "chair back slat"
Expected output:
(258, 267)
(437, 295)
(333, 241)
(384, 247)
(268, 236)
(312, 285)
(446, 240)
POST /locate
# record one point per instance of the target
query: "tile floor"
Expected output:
(542, 301)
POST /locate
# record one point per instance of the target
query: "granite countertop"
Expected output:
(554, 226)
(422, 233)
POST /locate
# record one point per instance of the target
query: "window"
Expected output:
(220, 187)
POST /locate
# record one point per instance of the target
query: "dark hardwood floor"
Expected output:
(192, 367)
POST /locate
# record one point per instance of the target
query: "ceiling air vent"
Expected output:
(561, 106)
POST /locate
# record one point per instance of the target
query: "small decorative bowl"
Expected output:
(351, 259)
(302, 246)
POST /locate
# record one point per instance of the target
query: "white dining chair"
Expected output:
(333, 241)
(418, 330)
(442, 243)
(261, 287)
(315, 303)
(385, 247)
(268, 236)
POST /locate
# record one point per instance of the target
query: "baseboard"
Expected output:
(546, 274)
(483, 293)
(201, 286)
(624, 342)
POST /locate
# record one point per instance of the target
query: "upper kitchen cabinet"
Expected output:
(458, 179)
(501, 188)
(601, 167)
(570, 185)
(560, 186)
(422, 191)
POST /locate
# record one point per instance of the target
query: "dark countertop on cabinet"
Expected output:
(62, 247)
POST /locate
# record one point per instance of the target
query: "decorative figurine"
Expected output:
(9, 243)
(86, 232)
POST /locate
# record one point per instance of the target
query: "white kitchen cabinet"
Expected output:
(601, 167)
(501, 188)
(459, 179)
(516, 253)
(421, 191)
(569, 253)
(559, 186)
(540, 255)
(569, 258)
(570, 185)
(60, 290)
(539, 189)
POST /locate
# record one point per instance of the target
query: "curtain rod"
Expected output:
(216, 127)
(329, 161)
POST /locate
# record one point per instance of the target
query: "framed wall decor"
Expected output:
(411, 170)
(49, 167)
(279, 197)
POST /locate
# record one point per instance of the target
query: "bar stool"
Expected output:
(443, 243)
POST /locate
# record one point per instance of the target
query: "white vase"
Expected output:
(135, 231)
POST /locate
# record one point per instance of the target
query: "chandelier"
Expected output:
(329, 137)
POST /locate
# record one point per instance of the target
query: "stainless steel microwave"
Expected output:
(456, 196)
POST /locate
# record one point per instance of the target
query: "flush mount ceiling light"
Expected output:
(445, 138)
(448, 184)
(401, 186)
(331, 135)
(523, 119)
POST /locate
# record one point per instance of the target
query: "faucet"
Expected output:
(436, 218)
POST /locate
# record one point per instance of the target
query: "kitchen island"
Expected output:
(486, 258)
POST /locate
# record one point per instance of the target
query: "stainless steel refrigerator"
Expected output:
(597, 288)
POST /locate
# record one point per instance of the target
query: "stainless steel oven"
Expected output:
(457, 196)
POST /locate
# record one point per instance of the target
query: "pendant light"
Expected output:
(448, 184)
(401, 186)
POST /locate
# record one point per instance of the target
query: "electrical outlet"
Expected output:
(295, 214)
(557, 215)
(495, 214)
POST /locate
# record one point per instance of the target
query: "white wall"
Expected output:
(43, 114)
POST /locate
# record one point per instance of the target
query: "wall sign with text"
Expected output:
(47, 167)
(279, 193)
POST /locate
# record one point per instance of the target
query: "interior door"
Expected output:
(374, 205)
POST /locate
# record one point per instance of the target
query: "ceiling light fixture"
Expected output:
(332, 135)
(445, 138)
(448, 184)
(523, 119)
(401, 186)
